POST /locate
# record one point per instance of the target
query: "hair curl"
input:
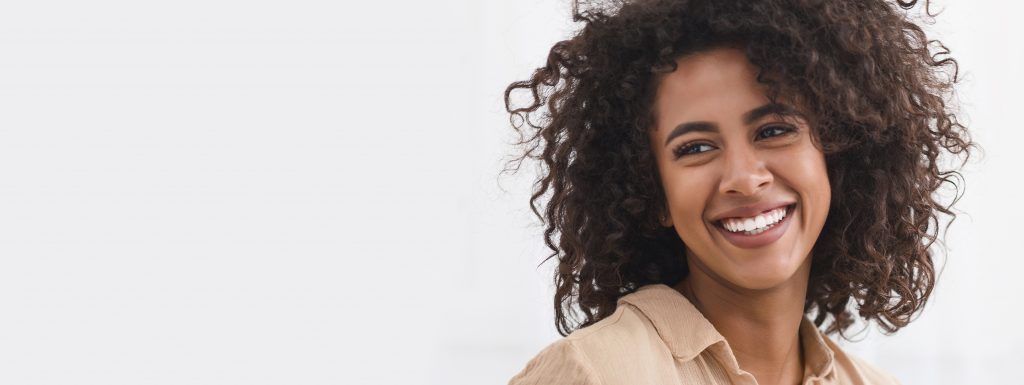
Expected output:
(874, 90)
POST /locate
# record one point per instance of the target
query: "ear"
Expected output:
(666, 219)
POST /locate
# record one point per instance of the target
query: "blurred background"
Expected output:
(308, 192)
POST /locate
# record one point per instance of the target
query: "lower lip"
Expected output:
(763, 238)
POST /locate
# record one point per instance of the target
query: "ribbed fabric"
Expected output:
(656, 336)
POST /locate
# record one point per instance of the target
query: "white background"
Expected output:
(307, 192)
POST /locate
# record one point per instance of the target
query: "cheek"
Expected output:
(807, 172)
(687, 193)
(817, 176)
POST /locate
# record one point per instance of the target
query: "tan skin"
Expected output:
(753, 296)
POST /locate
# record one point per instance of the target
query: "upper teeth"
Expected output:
(754, 223)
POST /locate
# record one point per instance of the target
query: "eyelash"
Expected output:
(682, 150)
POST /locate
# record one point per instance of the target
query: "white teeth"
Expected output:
(749, 224)
(757, 224)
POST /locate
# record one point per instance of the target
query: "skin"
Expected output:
(753, 297)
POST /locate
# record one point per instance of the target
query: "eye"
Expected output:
(773, 131)
(689, 149)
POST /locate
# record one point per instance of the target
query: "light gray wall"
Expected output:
(270, 192)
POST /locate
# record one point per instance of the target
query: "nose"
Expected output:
(745, 173)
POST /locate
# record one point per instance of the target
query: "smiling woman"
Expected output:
(729, 182)
(754, 167)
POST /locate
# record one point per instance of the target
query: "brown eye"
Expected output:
(690, 149)
(773, 131)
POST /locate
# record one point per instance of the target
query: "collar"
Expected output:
(818, 356)
(687, 333)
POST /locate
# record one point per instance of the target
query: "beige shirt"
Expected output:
(656, 336)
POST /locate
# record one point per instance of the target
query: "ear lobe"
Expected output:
(666, 220)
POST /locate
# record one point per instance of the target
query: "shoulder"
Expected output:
(561, 361)
(596, 354)
(853, 369)
(872, 374)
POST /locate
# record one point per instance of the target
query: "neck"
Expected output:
(761, 326)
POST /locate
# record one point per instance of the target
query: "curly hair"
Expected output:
(875, 92)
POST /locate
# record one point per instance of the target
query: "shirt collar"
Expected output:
(818, 356)
(687, 333)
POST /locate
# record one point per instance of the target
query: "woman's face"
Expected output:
(731, 162)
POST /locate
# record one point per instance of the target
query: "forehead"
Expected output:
(717, 84)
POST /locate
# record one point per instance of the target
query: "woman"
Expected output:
(727, 177)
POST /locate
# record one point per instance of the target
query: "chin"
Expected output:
(763, 282)
(765, 275)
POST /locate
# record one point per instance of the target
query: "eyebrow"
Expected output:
(748, 118)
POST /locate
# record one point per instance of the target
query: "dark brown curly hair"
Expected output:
(875, 90)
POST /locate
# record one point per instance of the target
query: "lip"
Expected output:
(761, 239)
(749, 211)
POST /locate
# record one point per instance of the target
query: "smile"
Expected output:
(756, 224)
(756, 231)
